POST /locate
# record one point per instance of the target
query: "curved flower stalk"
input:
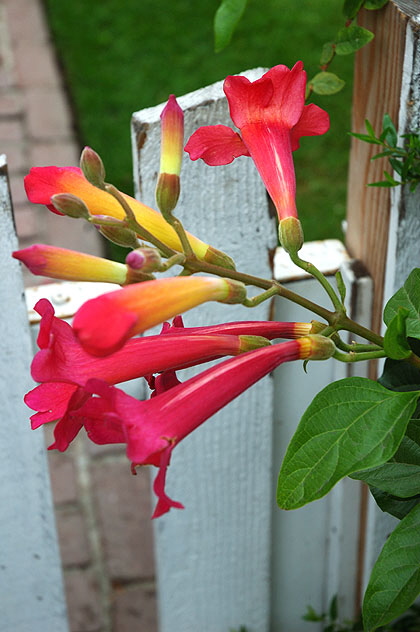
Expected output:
(43, 182)
(70, 265)
(272, 116)
(104, 323)
(151, 429)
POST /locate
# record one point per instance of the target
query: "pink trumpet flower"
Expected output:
(103, 324)
(63, 367)
(152, 428)
(272, 116)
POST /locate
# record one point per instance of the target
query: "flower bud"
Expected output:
(70, 265)
(291, 234)
(144, 259)
(70, 205)
(93, 168)
(172, 146)
(119, 235)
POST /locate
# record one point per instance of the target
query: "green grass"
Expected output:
(119, 60)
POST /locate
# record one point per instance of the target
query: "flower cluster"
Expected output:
(78, 366)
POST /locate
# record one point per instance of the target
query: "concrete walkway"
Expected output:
(102, 512)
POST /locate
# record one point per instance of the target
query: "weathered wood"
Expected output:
(213, 558)
(378, 75)
(30, 572)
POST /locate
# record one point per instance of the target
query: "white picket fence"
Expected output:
(231, 558)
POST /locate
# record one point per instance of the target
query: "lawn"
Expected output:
(121, 57)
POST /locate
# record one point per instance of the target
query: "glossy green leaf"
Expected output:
(225, 21)
(351, 38)
(375, 4)
(395, 580)
(400, 476)
(397, 507)
(351, 425)
(351, 8)
(408, 297)
(326, 83)
(395, 339)
(400, 376)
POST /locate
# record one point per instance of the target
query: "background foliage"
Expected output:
(119, 58)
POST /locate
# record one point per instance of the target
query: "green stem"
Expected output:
(340, 344)
(311, 269)
(358, 357)
(135, 226)
(260, 298)
(265, 284)
(178, 259)
(180, 231)
(348, 324)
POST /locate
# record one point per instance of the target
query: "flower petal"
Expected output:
(289, 94)
(216, 145)
(313, 122)
(51, 400)
(164, 503)
(247, 100)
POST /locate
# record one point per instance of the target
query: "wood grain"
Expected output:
(377, 86)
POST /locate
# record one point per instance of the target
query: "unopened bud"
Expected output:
(144, 259)
(70, 205)
(93, 168)
(119, 235)
(291, 234)
(171, 152)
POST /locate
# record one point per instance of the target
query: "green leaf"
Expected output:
(341, 286)
(397, 507)
(351, 425)
(351, 38)
(383, 183)
(400, 376)
(369, 128)
(351, 8)
(400, 476)
(375, 4)
(366, 138)
(333, 610)
(409, 297)
(327, 53)
(395, 339)
(225, 21)
(389, 132)
(395, 579)
(326, 83)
